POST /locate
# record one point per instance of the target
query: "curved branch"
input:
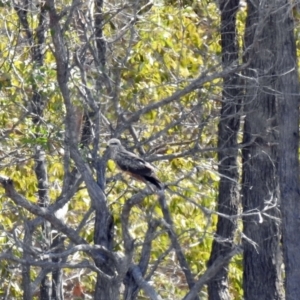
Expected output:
(211, 272)
(175, 243)
(20, 200)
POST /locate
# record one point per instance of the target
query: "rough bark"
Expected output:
(260, 158)
(227, 157)
(287, 88)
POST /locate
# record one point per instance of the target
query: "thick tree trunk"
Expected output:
(288, 117)
(260, 186)
(227, 156)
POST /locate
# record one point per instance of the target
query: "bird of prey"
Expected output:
(132, 164)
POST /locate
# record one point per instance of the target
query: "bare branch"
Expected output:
(142, 283)
(20, 200)
(211, 272)
(175, 243)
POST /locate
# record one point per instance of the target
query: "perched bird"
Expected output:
(132, 164)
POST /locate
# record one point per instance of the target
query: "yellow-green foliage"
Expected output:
(173, 45)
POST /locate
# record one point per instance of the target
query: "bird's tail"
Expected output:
(155, 182)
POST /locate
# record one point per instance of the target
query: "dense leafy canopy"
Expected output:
(158, 89)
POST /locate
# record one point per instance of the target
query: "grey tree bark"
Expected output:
(36, 109)
(80, 158)
(106, 288)
(260, 194)
(228, 197)
(287, 87)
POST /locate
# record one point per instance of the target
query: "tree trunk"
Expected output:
(260, 183)
(227, 155)
(57, 274)
(36, 106)
(288, 119)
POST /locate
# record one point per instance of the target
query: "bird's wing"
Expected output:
(130, 162)
(137, 167)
